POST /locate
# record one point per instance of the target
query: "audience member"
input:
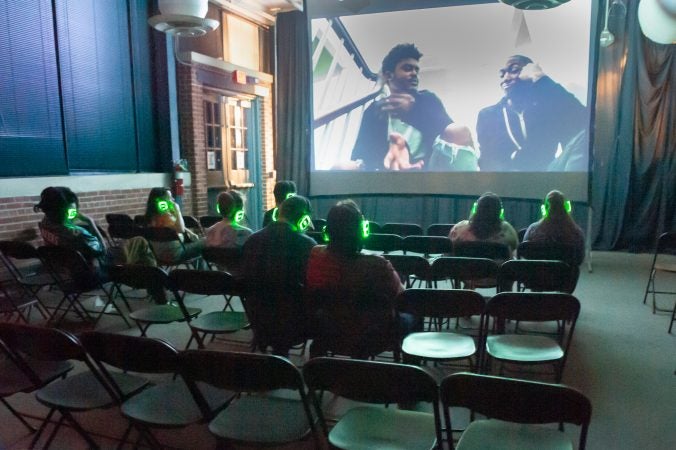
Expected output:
(274, 264)
(486, 223)
(65, 225)
(557, 225)
(352, 295)
(283, 189)
(228, 233)
(163, 212)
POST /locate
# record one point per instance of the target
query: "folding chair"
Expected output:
(482, 249)
(402, 229)
(506, 343)
(122, 227)
(193, 225)
(207, 221)
(664, 261)
(383, 242)
(428, 245)
(319, 224)
(227, 259)
(152, 279)
(260, 418)
(536, 275)
(23, 264)
(440, 229)
(208, 282)
(166, 404)
(163, 235)
(15, 377)
(467, 273)
(557, 251)
(440, 306)
(75, 278)
(411, 269)
(380, 383)
(84, 391)
(516, 409)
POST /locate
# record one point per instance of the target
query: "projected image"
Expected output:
(476, 88)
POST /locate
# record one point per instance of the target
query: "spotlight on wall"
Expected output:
(183, 18)
(657, 19)
(534, 4)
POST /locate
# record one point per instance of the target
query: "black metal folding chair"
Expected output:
(402, 229)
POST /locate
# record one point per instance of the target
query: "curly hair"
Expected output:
(399, 52)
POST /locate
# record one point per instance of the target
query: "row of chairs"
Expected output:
(400, 229)
(213, 387)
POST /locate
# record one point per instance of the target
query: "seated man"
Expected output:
(228, 233)
(352, 295)
(283, 189)
(274, 261)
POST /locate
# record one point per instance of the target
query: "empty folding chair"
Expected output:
(260, 418)
(155, 280)
(206, 283)
(378, 383)
(383, 242)
(664, 262)
(506, 343)
(227, 259)
(411, 269)
(535, 275)
(84, 391)
(167, 403)
(467, 273)
(207, 221)
(556, 251)
(516, 410)
(440, 229)
(428, 245)
(402, 229)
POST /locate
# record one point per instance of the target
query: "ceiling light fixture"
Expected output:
(607, 38)
(534, 4)
(183, 18)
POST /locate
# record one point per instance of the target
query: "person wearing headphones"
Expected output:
(486, 223)
(228, 233)
(352, 295)
(65, 225)
(283, 189)
(274, 261)
(557, 225)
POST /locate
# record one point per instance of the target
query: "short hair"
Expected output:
(343, 224)
(282, 189)
(226, 205)
(555, 202)
(54, 201)
(399, 52)
(238, 197)
(294, 208)
(521, 59)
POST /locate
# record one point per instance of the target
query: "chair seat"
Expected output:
(13, 379)
(499, 435)
(666, 263)
(243, 421)
(39, 279)
(171, 404)
(220, 322)
(163, 314)
(363, 428)
(523, 348)
(83, 391)
(439, 345)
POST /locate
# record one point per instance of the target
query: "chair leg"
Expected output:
(647, 288)
(673, 318)
(81, 431)
(42, 428)
(17, 415)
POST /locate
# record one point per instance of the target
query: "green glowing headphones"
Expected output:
(544, 208)
(289, 195)
(303, 223)
(364, 225)
(239, 215)
(72, 213)
(163, 206)
(476, 205)
(275, 214)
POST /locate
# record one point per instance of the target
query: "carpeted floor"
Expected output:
(622, 358)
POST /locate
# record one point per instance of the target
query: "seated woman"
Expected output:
(163, 212)
(486, 223)
(65, 225)
(352, 295)
(228, 233)
(557, 225)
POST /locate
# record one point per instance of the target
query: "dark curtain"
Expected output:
(292, 159)
(633, 181)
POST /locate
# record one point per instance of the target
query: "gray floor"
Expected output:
(622, 358)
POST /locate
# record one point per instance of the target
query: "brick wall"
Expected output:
(18, 221)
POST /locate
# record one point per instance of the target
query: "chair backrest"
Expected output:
(319, 224)
(463, 269)
(666, 243)
(119, 219)
(229, 259)
(207, 221)
(536, 275)
(41, 343)
(521, 233)
(441, 303)
(440, 229)
(193, 224)
(140, 220)
(534, 307)
(160, 234)
(16, 250)
(318, 236)
(408, 266)
(482, 249)
(69, 268)
(205, 282)
(402, 229)
(518, 401)
(131, 353)
(428, 245)
(548, 250)
(375, 227)
(240, 372)
(383, 242)
(140, 276)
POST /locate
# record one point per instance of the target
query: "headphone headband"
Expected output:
(476, 205)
